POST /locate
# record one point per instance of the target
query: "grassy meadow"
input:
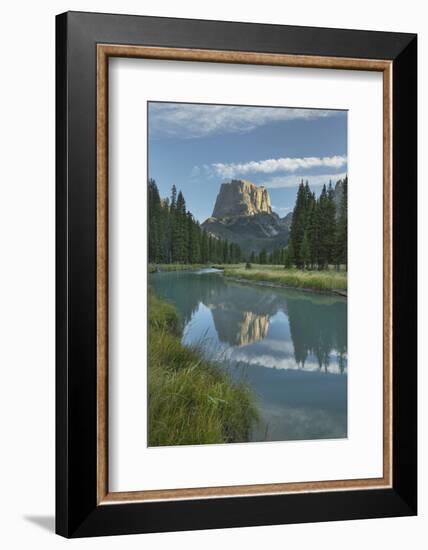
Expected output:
(191, 400)
(327, 280)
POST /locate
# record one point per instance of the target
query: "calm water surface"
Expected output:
(289, 346)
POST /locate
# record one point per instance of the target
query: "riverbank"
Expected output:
(191, 401)
(269, 275)
(154, 268)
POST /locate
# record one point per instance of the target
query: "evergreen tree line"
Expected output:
(276, 257)
(176, 237)
(318, 234)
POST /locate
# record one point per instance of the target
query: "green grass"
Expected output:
(191, 401)
(175, 267)
(314, 280)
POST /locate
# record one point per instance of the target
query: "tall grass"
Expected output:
(314, 280)
(191, 401)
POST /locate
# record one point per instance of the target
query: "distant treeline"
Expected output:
(176, 237)
(276, 257)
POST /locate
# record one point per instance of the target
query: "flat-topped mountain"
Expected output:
(243, 214)
(241, 198)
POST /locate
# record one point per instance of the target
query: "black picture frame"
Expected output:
(77, 511)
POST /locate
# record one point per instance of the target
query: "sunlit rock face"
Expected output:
(252, 329)
(241, 198)
(243, 214)
(239, 328)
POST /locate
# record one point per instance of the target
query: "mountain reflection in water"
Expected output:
(289, 346)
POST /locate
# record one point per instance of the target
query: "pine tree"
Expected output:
(220, 250)
(301, 214)
(204, 247)
(171, 224)
(322, 213)
(163, 232)
(225, 252)
(289, 256)
(276, 256)
(180, 231)
(173, 197)
(330, 226)
(263, 257)
(305, 252)
(194, 240)
(211, 249)
(341, 251)
(154, 233)
(313, 230)
(234, 253)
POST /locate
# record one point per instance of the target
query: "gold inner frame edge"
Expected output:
(104, 52)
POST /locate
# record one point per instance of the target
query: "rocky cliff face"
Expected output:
(239, 328)
(243, 214)
(241, 198)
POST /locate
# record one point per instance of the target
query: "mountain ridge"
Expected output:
(243, 214)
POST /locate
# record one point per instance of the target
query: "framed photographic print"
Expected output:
(236, 274)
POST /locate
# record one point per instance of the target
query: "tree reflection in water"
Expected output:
(288, 345)
(242, 314)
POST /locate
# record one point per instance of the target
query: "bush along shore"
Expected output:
(191, 400)
(322, 281)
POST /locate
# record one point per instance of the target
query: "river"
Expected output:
(289, 346)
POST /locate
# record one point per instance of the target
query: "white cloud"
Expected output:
(284, 363)
(192, 120)
(317, 180)
(269, 166)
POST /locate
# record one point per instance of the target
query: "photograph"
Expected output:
(247, 273)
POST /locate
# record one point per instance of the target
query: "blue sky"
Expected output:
(199, 146)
